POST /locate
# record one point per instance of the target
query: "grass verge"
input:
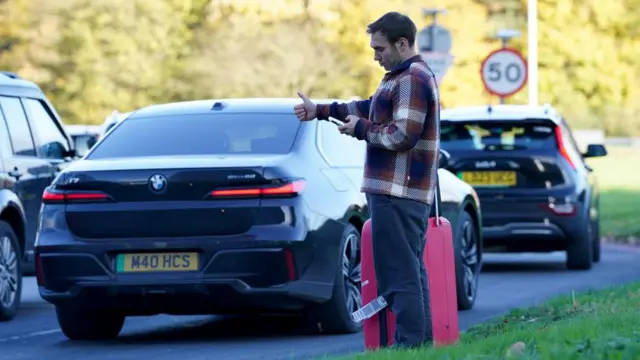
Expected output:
(619, 183)
(603, 324)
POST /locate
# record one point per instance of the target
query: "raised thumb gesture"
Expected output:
(306, 110)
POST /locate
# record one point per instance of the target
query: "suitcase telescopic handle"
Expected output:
(436, 200)
(437, 196)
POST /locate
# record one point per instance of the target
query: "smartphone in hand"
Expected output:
(335, 122)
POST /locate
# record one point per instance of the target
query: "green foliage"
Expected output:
(95, 56)
(619, 194)
(114, 54)
(599, 325)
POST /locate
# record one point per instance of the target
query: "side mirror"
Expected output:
(53, 150)
(595, 150)
(443, 159)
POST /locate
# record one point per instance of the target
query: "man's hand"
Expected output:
(349, 126)
(305, 111)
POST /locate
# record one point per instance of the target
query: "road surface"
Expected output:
(508, 281)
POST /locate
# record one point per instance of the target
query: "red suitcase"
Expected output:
(439, 259)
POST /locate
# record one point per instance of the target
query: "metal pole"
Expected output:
(433, 12)
(505, 35)
(532, 42)
(432, 36)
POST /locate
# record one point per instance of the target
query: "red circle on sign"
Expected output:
(511, 51)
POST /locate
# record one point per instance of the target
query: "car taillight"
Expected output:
(290, 188)
(562, 148)
(561, 209)
(65, 197)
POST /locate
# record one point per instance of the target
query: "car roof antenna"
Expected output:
(218, 105)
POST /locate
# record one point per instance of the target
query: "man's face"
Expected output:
(385, 53)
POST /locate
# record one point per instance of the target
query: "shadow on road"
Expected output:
(524, 263)
(217, 328)
(527, 267)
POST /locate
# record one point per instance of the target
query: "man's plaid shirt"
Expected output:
(401, 125)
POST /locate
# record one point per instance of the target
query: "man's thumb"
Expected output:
(303, 97)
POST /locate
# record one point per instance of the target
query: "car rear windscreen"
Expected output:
(497, 135)
(201, 134)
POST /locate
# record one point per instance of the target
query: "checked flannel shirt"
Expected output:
(401, 125)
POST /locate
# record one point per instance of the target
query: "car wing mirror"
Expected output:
(595, 150)
(443, 159)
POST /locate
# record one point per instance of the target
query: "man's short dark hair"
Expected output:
(394, 25)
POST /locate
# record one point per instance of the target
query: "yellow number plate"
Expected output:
(489, 178)
(150, 262)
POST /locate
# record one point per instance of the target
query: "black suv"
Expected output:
(536, 191)
(33, 149)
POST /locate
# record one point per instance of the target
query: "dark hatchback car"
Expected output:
(34, 147)
(230, 206)
(537, 192)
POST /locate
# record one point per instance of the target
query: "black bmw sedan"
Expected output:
(219, 207)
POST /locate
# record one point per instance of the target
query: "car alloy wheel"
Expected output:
(469, 255)
(8, 272)
(352, 273)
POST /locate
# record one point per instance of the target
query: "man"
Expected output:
(400, 124)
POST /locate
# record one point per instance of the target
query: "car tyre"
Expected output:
(334, 316)
(467, 261)
(89, 325)
(580, 251)
(597, 245)
(10, 273)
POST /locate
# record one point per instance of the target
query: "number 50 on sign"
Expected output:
(504, 72)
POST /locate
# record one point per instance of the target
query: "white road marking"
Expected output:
(30, 286)
(30, 335)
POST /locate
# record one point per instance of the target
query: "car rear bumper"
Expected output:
(542, 230)
(234, 275)
(188, 297)
(531, 227)
(530, 237)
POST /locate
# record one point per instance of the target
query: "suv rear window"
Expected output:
(206, 134)
(497, 135)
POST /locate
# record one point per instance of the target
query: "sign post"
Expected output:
(434, 44)
(504, 71)
(532, 43)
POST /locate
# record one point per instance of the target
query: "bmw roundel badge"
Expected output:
(158, 183)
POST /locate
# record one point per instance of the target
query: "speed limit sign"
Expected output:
(504, 72)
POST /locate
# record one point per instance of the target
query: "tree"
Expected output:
(587, 58)
(253, 57)
(114, 54)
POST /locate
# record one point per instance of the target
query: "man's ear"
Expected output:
(402, 44)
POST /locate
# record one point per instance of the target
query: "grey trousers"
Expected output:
(398, 239)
